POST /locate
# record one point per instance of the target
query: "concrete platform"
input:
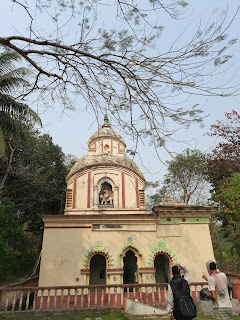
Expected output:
(206, 308)
(137, 309)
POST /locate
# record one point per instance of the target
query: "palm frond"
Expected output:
(13, 114)
(18, 110)
(10, 84)
(10, 125)
(18, 72)
(6, 60)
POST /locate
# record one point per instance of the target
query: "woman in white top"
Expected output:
(218, 292)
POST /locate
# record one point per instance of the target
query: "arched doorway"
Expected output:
(161, 264)
(97, 269)
(129, 268)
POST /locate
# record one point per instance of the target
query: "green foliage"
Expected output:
(12, 112)
(156, 198)
(151, 184)
(186, 174)
(227, 258)
(36, 182)
(17, 254)
(224, 158)
(35, 186)
(69, 161)
(223, 170)
(185, 180)
(228, 197)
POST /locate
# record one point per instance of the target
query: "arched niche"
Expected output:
(162, 266)
(97, 270)
(106, 192)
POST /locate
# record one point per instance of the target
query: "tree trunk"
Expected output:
(9, 167)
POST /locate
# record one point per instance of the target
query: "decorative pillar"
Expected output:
(123, 191)
(89, 190)
(74, 194)
(116, 196)
(137, 193)
(95, 196)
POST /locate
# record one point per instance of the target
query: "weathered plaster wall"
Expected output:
(64, 250)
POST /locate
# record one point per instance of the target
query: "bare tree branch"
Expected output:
(113, 70)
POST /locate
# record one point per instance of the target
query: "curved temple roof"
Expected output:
(104, 159)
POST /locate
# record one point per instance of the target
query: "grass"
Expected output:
(80, 316)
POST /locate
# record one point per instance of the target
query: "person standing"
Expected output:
(218, 292)
(178, 289)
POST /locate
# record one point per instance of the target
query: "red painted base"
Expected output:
(97, 301)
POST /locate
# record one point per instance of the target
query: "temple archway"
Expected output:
(162, 266)
(130, 268)
(97, 270)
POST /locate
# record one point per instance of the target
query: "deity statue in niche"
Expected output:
(106, 194)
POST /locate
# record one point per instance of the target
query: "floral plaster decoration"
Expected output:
(185, 220)
(130, 244)
(161, 248)
(99, 248)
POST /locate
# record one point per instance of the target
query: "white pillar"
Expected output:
(116, 196)
(95, 196)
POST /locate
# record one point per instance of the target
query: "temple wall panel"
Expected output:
(114, 146)
(193, 247)
(84, 183)
(130, 191)
(66, 251)
(82, 191)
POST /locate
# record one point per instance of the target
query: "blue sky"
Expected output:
(71, 130)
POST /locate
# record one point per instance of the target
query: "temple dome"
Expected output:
(106, 132)
(104, 160)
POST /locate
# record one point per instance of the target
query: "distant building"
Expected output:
(105, 235)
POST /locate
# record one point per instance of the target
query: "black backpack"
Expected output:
(184, 307)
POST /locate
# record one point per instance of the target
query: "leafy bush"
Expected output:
(16, 255)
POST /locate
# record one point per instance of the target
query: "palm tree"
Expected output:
(13, 113)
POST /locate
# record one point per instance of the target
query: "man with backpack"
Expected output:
(180, 304)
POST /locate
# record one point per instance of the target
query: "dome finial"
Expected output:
(106, 122)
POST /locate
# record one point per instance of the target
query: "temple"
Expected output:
(106, 236)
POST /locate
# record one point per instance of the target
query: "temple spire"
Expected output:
(106, 122)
